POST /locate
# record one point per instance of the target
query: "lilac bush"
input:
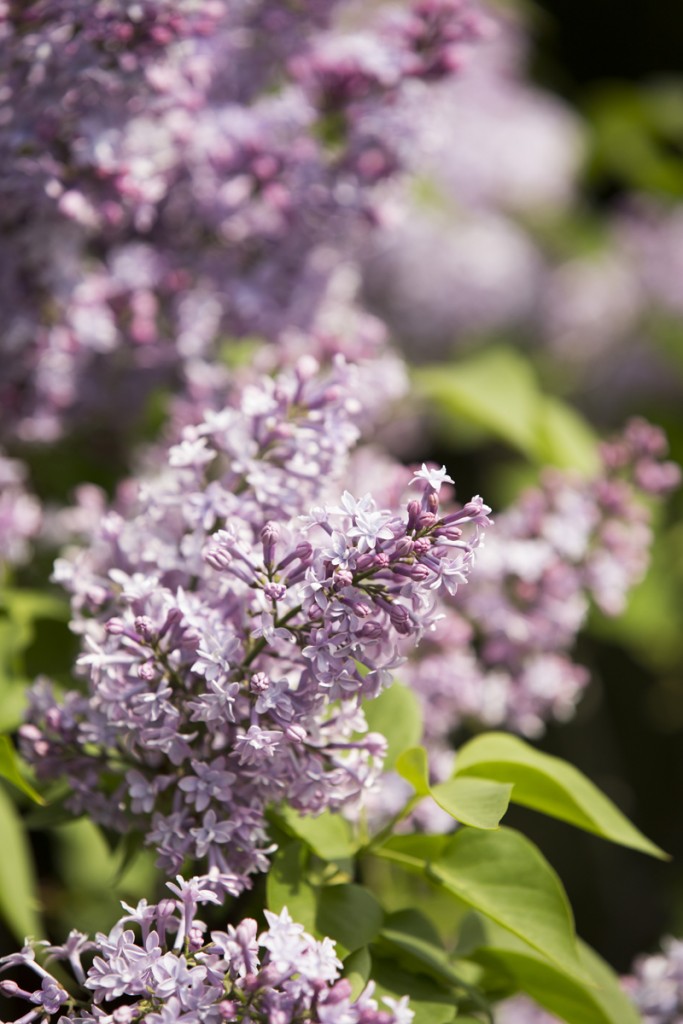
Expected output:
(180, 176)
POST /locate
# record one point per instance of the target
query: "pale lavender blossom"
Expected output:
(226, 656)
(178, 971)
(656, 984)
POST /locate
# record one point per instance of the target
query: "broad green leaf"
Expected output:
(357, 970)
(287, 886)
(549, 784)
(564, 438)
(28, 605)
(497, 390)
(350, 915)
(412, 764)
(598, 1000)
(420, 845)
(328, 835)
(417, 945)
(18, 888)
(430, 1002)
(396, 714)
(505, 877)
(13, 700)
(9, 769)
(480, 803)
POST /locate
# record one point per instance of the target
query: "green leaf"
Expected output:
(397, 715)
(598, 1000)
(549, 784)
(328, 835)
(28, 605)
(413, 765)
(350, 915)
(564, 438)
(505, 877)
(9, 769)
(18, 887)
(287, 886)
(480, 803)
(430, 1002)
(417, 945)
(357, 970)
(497, 390)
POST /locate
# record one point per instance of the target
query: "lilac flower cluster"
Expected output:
(20, 513)
(178, 173)
(656, 984)
(501, 655)
(176, 972)
(521, 1010)
(233, 614)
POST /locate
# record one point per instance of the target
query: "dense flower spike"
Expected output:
(233, 616)
(170, 969)
(176, 173)
(502, 654)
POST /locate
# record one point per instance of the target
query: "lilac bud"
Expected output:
(259, 682)
(115, 627)
(422, 545)
(297, 733)
(400, 619)
(218, 557)
(274, 591)
(343, 578)
(371, 631)
(404, 547)
(425, 520)
(449, 532)
(227, 1009)
(416, 572)
(414, 510)
(146, 671)
(270, 535)
(145, 627)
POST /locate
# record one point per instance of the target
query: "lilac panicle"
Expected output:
(234, 610)
(177, 172)
(172, 969)
(502, 653)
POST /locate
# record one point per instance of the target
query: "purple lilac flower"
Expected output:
(226, 653)
(175, 173)
(502, 653)
(174, 971)
(656, 984)
(521, 1010)
(20, 513)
